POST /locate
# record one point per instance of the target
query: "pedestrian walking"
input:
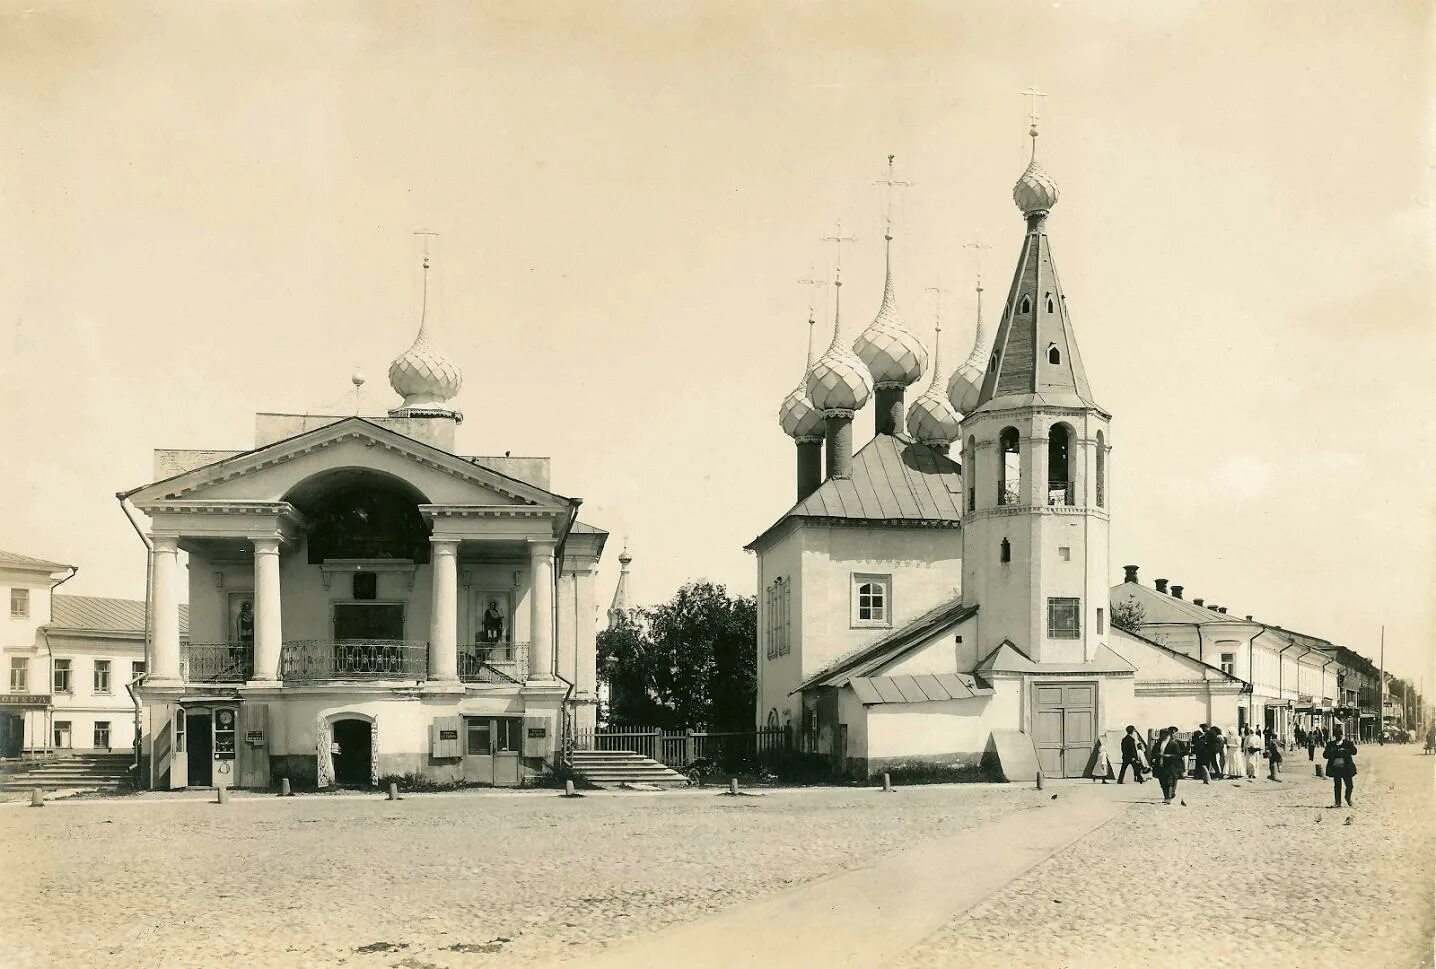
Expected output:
(1340, 755)
(1198, 749)
(1311, 745)
(1216, 752)
(1273, 756)
(1101, 763)
(1132, 747)
(1168, 762)
(1252, 742)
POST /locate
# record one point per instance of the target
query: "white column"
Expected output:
(268, 630)
(541, 638)
(586, 681)
(444, 614)
(165, 660)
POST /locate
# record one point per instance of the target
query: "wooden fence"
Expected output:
(677, 748)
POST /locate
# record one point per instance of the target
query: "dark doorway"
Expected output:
(199, 737)
(352, 759)
(12, 734)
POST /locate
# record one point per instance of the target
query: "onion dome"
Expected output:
(1036, 191)
(423, 375)
(894, 356)
(797, 416)
(965, 385)
(931, 419)
(839, 381)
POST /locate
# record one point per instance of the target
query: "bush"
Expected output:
(555, 775)
(417, 783)
(919, 772)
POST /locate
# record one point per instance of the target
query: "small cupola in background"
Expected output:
(839, 384)
(803, 422)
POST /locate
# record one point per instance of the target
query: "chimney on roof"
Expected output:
(1222, 610)
(1199, 602)
(1212, 608)
(1131, 571)
(1176, 592)
(1162, 586)
(1249, 618)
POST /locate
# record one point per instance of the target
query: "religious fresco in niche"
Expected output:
(239, 629)
(493, 623)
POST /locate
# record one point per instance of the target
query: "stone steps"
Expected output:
(610, 768)
(89, 771)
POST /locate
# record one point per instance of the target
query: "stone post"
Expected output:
(268, 627)
(444, 616)
(166, 644)
(541, 601)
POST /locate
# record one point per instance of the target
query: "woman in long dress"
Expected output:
(1236, 764)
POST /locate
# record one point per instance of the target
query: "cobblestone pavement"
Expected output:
(1255, 874)
(429, 881)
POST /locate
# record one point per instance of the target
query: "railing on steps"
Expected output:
(500, 663)
(678, 748)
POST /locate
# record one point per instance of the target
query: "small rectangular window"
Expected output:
(62, 734)
(19, 603)
(102, 676)
(137, 668)
(102, 734)
(1101, 623)
(19, 674)
(871, 605)
(1064, 552)
(62, 676)
(1064, 618)
(1229, 663)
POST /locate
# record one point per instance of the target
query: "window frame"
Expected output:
(101, 726)
(1101, 621)
(68, 727)
(883, 582)
(1065, 630)
(1227, 662)
(20, 665)
(68, 669)
(19, 602)
(100, 666)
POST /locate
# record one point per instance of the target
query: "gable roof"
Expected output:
(287, 449)
(891, 646)
(15, 560)
(894, 480)
(1007, 658)
(1159, 607)
(102, 614)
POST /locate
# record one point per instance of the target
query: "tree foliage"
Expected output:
(689, 662)
(1128, 615)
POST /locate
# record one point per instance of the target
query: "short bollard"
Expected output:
(568, 789)
(37, 797)
(887, 783)
(223, 793)
(732, 785)
(393, 791)
(1039, 780)
(1318, 771)
(284, 790)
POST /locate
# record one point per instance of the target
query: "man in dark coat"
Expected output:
(1131, 743)
(1168, 758)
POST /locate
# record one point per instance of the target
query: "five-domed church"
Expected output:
(365, 601)
(942, 592)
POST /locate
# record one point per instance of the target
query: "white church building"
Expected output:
(922, 606)
(365, 600)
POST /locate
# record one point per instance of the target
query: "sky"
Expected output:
(207, 210)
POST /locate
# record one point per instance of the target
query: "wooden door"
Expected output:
(1064, 727)
(507, 743)
(478, 750)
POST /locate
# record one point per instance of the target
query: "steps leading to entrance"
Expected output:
(98, 772)
(610, 768)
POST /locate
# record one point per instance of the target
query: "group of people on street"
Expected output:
(1214, 754)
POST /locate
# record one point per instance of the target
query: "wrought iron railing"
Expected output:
(217, 663)
(1008, 495)
(1059, 493)
(309, 660)
(496, 663)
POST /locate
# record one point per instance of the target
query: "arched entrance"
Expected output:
(352, 751)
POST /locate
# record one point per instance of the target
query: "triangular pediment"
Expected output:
(275, 471)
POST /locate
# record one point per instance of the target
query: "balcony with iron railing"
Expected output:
(321, 660)
(217, 662)
(494, 663)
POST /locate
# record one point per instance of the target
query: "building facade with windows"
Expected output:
(365, 601)
(26, 586)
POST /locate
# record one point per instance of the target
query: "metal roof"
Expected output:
(894, 480)
(17, 560)
(875, 655)
(100, 614)
(918, 688)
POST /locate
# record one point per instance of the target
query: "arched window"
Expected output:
(870, 600)
(992, 362)
(1060, 466)
(1006, 551)
(1054, 355)
(773, 719)
(1101, 471)
(1050, 305)
(1026, 304)
(1009, 467)
(969, 471)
